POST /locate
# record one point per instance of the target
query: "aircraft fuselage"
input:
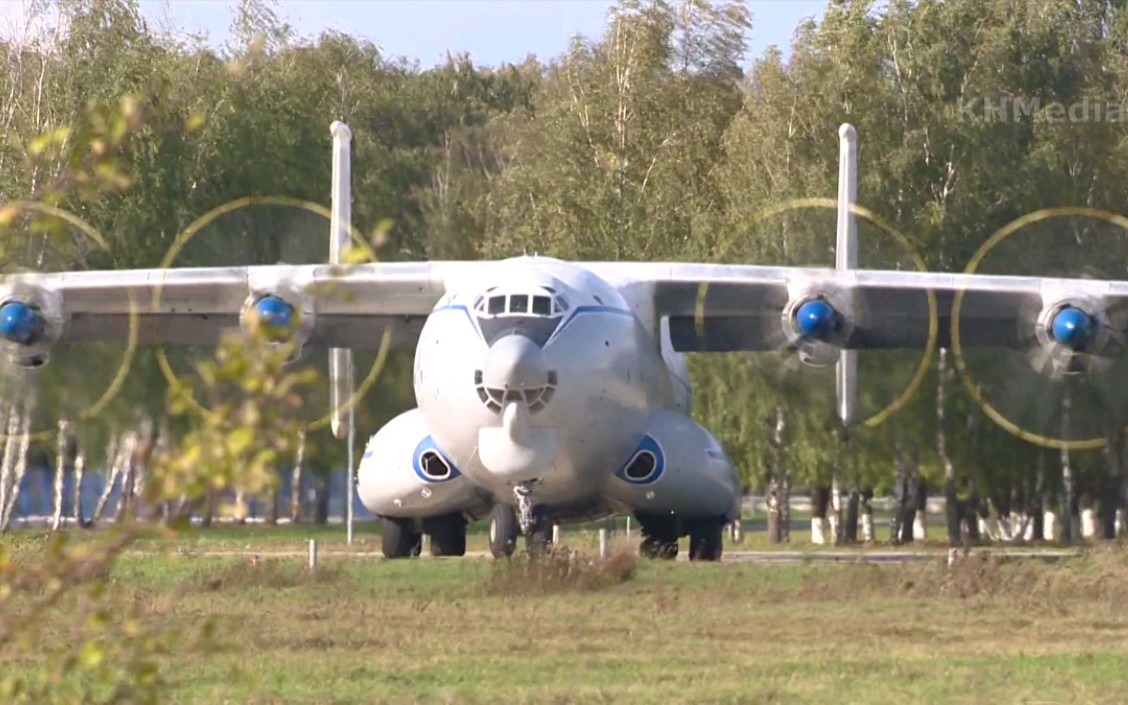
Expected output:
(544, 375)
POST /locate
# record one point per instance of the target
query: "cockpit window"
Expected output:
(539, 305)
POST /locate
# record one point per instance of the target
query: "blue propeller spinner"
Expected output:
(276, 318)
(20, 323)
(1072, 327)
(816, 319)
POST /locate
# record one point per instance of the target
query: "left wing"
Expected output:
(714, 308)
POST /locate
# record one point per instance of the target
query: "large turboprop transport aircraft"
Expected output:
(553, 392)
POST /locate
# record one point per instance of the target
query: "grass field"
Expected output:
(478, 631)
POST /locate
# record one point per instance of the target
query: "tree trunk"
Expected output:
(1110, 484)
(868, 534)
(951, 501)
(771, 499)
(898, 493)
(775, 493)
(1037, 501)
(909, 505)
(920, 520)
(1069, 525)
(849, 530)
(836, 511)
(79, 475)
(820, 503)
(112, 466)
(321, 500)
(296, 481)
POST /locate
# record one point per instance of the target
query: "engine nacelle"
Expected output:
(1072, 330)
(817, 321)
(31, 321)
(403, 473)
(279, 314)
(679, 465)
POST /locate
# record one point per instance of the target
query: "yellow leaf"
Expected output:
(90, 655)
(194, 122)
(8, 215)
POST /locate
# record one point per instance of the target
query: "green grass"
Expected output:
(477, 631)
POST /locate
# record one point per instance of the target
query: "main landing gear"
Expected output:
(660, 534)
(402, 539)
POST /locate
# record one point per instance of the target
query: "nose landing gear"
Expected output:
(529, 519)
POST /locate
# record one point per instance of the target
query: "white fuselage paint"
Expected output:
(616, 381)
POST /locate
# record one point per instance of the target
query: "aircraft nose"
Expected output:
(515, 362)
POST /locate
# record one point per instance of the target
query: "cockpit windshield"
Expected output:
(521, 305)
(534, 313)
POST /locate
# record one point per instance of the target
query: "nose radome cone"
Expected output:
(515, 362)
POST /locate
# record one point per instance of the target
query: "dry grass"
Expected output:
(569, 629)
(558, 571)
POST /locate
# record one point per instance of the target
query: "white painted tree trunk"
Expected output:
(1051, 531)
(867, 526)
(1120, 522)
(835, 510)
(920, 526)
(60, 474)
(1088, 524)
(818, 531)
(15, 460)
(79, 474)
(7, 465)
(112, 469)
(296, 481)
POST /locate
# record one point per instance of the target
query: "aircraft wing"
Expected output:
(716, 308)
(352, 306)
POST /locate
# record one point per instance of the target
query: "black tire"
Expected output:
(659, 537)
(399, 539)
(706, 540)
(448, 536)
(503, 531)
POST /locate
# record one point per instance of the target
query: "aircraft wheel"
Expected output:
(659, 537)
(503, 531)
(652, 547)
(399, 539)
(705, 541)
(448, 535)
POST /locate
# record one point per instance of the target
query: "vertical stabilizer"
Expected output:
(340, 225)
(846, 258)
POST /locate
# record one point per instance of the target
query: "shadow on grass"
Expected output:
(561, 570)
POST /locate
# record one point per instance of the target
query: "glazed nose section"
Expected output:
(515, 362)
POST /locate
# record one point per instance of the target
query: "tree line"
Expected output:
(650, 141)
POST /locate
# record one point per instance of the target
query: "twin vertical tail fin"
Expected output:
(846, 258)
(341, 381)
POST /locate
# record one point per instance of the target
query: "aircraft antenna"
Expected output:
(341, 381)
(845, 259)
